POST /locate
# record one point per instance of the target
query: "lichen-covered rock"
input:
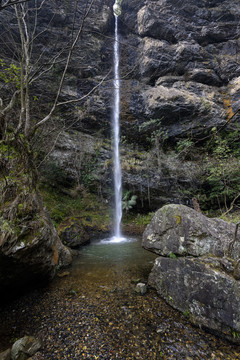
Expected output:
(24, 348)
(197, 271)
(183, 231)
(200, 289)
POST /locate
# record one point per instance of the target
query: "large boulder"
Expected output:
(184, 231)
(197, 271)
(202, 291)
(73, 233)
(30, 249)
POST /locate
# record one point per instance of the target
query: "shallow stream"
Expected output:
(94, 313)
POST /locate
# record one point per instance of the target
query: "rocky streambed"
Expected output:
(95, 313)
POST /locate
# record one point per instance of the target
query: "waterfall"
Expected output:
(116, 131)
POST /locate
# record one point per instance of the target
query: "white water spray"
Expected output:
(116, 130)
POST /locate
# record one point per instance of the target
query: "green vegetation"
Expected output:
(219, 182)
(186, 313)
(154, 127)
(54, 175)
(184, 144)
(64, 205)
(221, 179)
(128, 201)
(236, 334)
(144, 219)
(184, 147)
(10, 74)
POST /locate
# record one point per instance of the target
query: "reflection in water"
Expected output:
(102, 257)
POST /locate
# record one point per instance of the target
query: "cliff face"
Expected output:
(180, 68)
(188, 64)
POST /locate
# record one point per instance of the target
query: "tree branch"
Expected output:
(86, 95)
(10, 104)
(6, 3)
(74, 42)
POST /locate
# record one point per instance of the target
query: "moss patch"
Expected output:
(65, 210)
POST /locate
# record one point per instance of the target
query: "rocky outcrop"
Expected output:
(202, 291)
(179, 64)
(74, 235)
(196, 270)
(30, 249)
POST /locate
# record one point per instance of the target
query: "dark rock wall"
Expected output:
(180, 63)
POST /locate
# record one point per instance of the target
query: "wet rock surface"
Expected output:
(195, 272)
(98, 315)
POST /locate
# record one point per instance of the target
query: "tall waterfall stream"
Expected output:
(116, 131)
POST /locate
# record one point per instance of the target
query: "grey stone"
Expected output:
(201, 291)
(24, 348)
(75, 235)
(30, 248)
(141, 288)
(179, 62)
(183, 231)
(197, 272)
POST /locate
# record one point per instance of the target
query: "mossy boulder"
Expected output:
(30, 249)
(73, 233)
